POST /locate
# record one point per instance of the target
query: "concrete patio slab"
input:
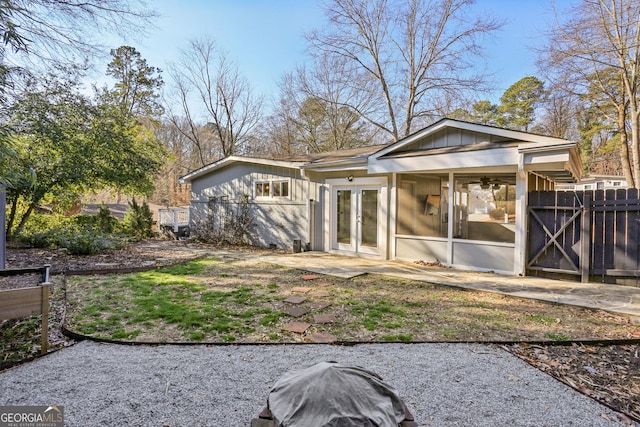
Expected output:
(617, 299)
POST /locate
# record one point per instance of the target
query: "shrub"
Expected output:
(88, 242)
(79, 234)
(139, 220)
(227, 222)
(104, 221)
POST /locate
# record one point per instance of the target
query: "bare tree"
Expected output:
(598, 47)
(327, 83)
(203, 146)
(232, 111)
(281, 131)
(557, 115)
(61, 30)
(407, 54)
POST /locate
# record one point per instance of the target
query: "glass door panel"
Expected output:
(343, 216)
(369, 218)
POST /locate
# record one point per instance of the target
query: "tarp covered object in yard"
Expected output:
(333, 395)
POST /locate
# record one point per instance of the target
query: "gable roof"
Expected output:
(493, 134)
(425, 142)
(319, 160)
(234, 159)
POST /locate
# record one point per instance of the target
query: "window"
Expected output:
(484, 209)
(421, 206)
(262, 189)
(281, 189)
(272, 189)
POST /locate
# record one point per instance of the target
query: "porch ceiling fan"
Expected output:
(486, 182)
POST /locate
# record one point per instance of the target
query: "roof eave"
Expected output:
(236, 159)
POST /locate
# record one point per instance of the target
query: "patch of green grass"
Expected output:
(397, 338)
(538, 318)
(121, 334)
(557, 337)
(196, 336)
(393, 325)
(271, 318)
(414, 304)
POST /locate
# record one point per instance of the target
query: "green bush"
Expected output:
(138, 220)
(104, 221)
(87, 242)
(79, 234)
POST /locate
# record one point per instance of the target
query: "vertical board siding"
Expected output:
(614, 222)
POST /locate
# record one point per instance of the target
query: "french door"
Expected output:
(356, 219)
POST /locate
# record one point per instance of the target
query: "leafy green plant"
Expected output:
(139, 220)
(104, 220)
(79, 234)
(87, 242)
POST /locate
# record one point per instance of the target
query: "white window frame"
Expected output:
(280, 183)
(271, 183)
(263, 183)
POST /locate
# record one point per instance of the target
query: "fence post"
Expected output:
(44, 309)
(176, 226)
(585, 239)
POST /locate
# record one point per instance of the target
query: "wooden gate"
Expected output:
(610, 222)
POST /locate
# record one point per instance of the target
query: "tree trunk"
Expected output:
(12, 217)
(635, 146)
(624, 149)
(25, 217)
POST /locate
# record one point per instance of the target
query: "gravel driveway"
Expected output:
(442, 384)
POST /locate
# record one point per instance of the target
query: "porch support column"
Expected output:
(450, 223)
(326, 202)
(390, 252)
(520, 255)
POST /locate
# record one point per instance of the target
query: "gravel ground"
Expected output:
(442, 384)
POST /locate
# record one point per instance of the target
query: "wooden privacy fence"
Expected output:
(609, 221)
(24, 302)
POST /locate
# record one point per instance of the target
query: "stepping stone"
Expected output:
(319, 305)
(296, 312)
(323, 284)
(297, 327)
(322, 338)
(295, 300)
(320, 294)
(324, 318)
(310, 277)
(300, 289)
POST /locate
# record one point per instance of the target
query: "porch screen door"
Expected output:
(356, 221)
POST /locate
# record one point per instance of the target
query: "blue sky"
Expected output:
(265, 36)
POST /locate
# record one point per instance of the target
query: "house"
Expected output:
(596, 182)
(453, 192)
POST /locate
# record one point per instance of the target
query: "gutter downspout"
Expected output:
(308, 209)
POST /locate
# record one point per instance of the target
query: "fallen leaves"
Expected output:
(607, 373)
